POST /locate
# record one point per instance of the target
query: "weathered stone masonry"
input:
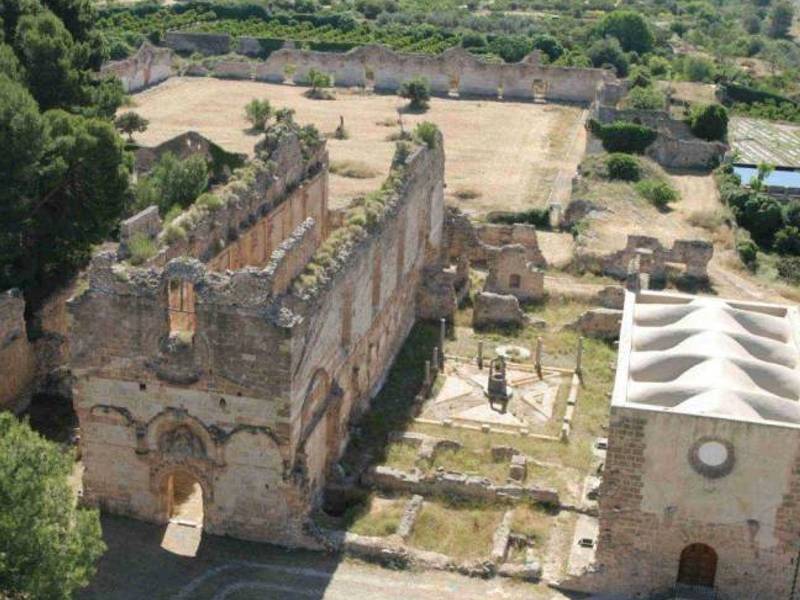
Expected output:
(254, 395)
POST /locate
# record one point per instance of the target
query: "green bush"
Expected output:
(787, 240)
(538, 217)
(623, 166)
(622, 136)
(762, 217)
(608, 53)
(791, 213)
(709, 121)
(427, 133)
(179, 181)
(646, 98)
(659, 193)
(417, 91)
(698, 68)
(748, 252)
(789, 269)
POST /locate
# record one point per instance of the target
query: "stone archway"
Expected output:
(698, 566)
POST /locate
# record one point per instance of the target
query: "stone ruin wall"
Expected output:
(653, 504)
(373, 65)
(648, 255)
(256, 406)
(354, 329)
(148, 66)
(17, 357)
(675, 146)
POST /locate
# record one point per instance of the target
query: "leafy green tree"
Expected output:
(48, 547)
(780, 20)
(787, 240)
(608, 53)
(511, 48)
(258, 112)
(709, 121)
(130, 123)
(549, 45)
(179, 181)
(630, 28)
(748, 253)
(791, 213)
(761, 216)
(473, 39)
(417, 91)
(646, 98)
(9, 63)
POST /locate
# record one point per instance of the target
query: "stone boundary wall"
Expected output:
(17, 358)
(386, 70)
(148, 66)
(676, 147)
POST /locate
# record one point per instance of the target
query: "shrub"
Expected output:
(789, 269)
(179, 181)
(622, 136)
(787, 240)
(417, 91)
(748, 252)
(646, 98)
(427, 133)
(623, 166)
(538, 217)
(698, 68)
(709, 121)
(791, 214)
(142, 248)
(781, 19)
(549, 46)
(352, 168)
(402, 151)
(257, 112)
(212, 202)
(174, 233)
(659, 193)
(511, 48)
(659, 66)
(319, 83)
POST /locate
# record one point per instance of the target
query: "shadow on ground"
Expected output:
(135, 567)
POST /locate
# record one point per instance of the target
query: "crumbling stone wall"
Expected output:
(675, 147)
(149, 66)
(478, 243)
(17, 359)
(209, 44)
(254, 400)
(652, 258)
(511, 272)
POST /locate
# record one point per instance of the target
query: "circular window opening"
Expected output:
(711, 457)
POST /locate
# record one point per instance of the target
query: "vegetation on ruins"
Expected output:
(131, 122)
(48, 546)
(417, 91)
(709, 121)
(142, 248)
(426, 133)
(172, 182)
(623, 136)
(257, 112)
(659, 193)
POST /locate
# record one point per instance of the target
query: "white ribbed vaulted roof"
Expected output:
(707, 356)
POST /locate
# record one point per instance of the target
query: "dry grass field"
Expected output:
(500, 155)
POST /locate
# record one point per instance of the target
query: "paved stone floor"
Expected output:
(136, 567)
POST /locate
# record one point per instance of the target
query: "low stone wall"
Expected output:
(492, 310)
(651, 257)
(209, 44)
(17, 358)
(601, 323)
(455, 484)
(149, 66)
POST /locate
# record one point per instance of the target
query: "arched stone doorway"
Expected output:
(698, 566)
(184, 498)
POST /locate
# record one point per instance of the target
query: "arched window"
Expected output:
(182, 320)
(698, 566)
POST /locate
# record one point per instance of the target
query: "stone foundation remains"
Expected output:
(652, 258)
(149, 66)
(510, 272)
(240, 353)
(17, 357)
